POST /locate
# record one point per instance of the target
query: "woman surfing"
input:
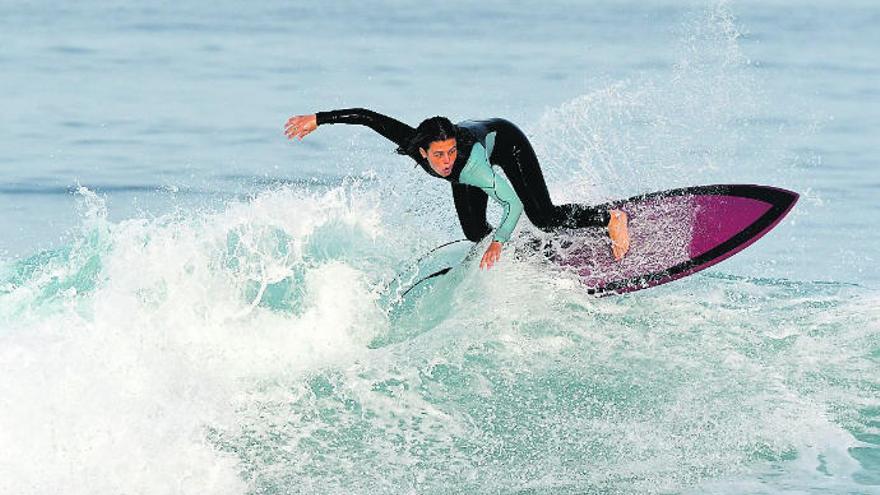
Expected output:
(465, 154)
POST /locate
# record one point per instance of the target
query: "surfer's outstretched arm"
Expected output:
(392, 129)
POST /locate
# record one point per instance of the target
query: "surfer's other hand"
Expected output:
(493, 252)
(618, 231)
(300, 126)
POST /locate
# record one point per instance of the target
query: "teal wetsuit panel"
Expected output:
(479, 172)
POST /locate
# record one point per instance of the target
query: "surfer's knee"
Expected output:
(544, 222)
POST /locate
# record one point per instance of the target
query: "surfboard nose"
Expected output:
(785, 198)
(730, 217)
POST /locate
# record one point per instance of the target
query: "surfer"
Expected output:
(464, 155)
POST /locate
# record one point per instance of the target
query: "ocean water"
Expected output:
(189, 303)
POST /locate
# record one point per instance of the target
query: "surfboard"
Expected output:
(436, 262)
(673, 234)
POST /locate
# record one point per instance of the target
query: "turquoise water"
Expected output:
(191, 304)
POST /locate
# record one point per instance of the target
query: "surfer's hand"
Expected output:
(300, 125)
(493, 252)
(618, 231)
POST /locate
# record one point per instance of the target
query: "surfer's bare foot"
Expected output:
(618, 231)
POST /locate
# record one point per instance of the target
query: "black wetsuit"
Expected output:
(511, 151)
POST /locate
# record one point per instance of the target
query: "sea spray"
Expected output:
(111, 379)
(647, 133)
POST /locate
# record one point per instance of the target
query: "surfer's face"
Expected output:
(441, 156)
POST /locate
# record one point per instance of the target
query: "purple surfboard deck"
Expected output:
(674, 234)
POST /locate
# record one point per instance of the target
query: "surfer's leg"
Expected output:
(574, 216)
(514, 154)
(470, 203)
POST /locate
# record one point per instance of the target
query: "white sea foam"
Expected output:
(110, 385)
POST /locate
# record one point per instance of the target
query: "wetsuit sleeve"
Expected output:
(392, 129)
(502, 192)
(478, 172)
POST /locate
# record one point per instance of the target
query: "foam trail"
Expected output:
(119, 350)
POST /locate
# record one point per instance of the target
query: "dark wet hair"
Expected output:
(430, 130)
